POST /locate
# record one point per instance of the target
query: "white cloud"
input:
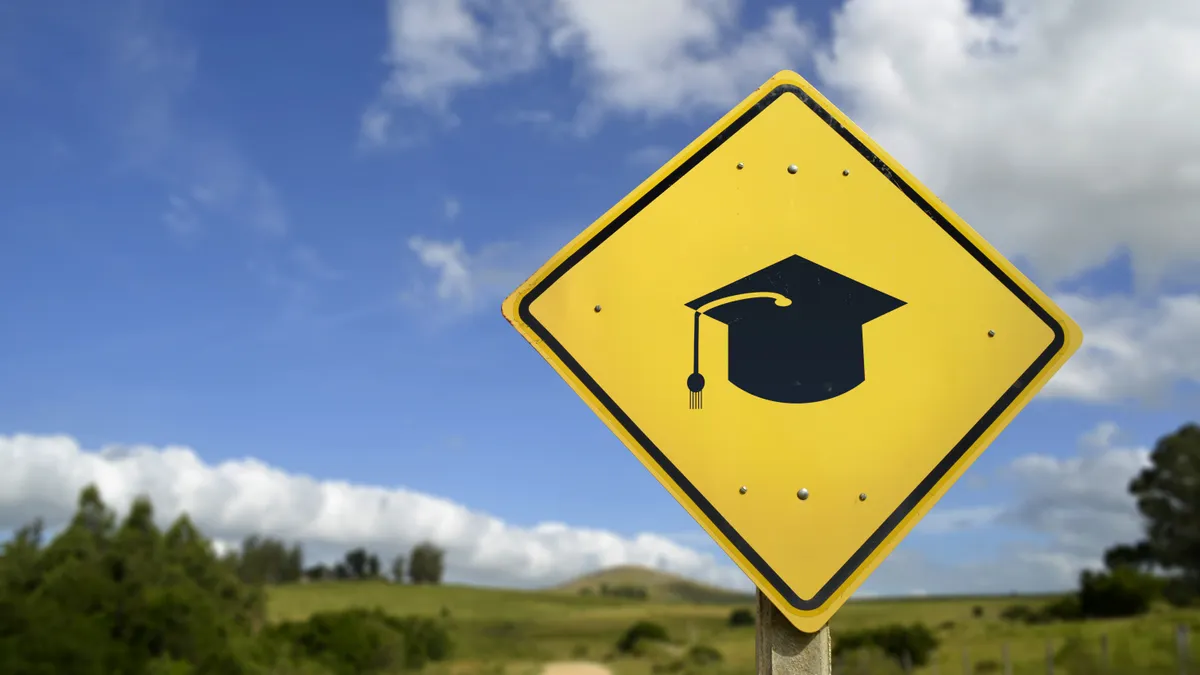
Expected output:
(451, 207)
(455, 282)
(1131, 350)
(656, 59)
(1082, 502)
(230, 500)
(467, 280)
(1069, 510)
(1065, 512)
(1064, 131)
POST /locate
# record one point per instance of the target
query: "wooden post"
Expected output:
(781, 649)
(1049, 656)
(1007, 659)
(1104, 652)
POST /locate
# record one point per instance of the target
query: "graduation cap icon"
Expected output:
(795, 331)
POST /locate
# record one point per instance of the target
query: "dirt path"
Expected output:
(575, 668)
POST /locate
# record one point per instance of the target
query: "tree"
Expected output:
(264, 560)
(1168, 496)
(356, 563)
(1137, 556)
(425, 564)
(373, 566)
(398, 569)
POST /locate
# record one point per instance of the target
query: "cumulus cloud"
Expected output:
(1132, 349)
(230, 500)
(1081, 502)
(655, 59)
(1066, 511)
(1064, 131)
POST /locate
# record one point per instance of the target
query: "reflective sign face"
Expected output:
(800, 341)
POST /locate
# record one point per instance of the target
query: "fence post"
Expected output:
(1007, 660)
(906, 662)
(1181, 646)
(1049, 656)
(966, 662)
(1104, 652)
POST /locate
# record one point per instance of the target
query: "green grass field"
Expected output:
(514, 632)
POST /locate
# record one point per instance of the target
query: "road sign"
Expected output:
(798, 339)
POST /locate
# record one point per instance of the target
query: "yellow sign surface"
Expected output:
(797, 338)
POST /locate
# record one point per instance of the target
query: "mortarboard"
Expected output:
(795, 331)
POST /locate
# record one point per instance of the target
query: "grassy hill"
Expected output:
(512, 632)
(659, 586)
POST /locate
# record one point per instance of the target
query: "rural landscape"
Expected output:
(112, 593)
(527, 337)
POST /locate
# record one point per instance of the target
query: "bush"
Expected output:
(350, 642)
(1122, 592)
(915, 640)
(643, 631)
(977, 611)
(703, 655)
(1181, 592)
(1066, 608)
(741, 617)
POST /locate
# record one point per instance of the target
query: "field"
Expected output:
(516, 632)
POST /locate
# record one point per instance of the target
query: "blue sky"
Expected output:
(241, 229)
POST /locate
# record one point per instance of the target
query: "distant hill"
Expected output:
(631, 581)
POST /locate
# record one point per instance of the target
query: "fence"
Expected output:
(1134, 651)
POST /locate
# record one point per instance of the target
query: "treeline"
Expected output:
(105, 596)
(265, 560)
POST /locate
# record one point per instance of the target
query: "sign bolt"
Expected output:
(845, 172)
(741, 166)
(742, 489)
(596, 308)
(862, 496)
(991, 333)
(792, 168)
(802, 494)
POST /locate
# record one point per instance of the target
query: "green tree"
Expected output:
(264, 560)
(1168, 497)
(356, 563)
(398, 569)
(425, 564)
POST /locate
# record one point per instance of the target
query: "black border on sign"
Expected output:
(944, 466)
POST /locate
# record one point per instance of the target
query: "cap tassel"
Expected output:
(695, 381)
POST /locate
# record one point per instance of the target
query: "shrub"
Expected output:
(1181, 592)
(977, 611)
(642, 631)
(1122, 592)
(915, 640)
(703, 655)
(355, 641)
(1066, 608)
(741, 617)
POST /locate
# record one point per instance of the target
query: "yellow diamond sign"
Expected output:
(797, 338)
